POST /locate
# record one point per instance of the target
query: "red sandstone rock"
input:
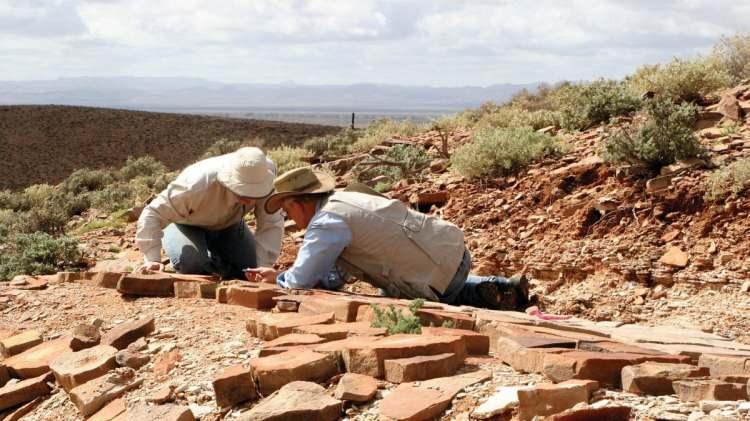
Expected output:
(421, 367)
(108, 279)
(296, 401)
(723, 365)
(714, 390)
(91, 396)
(35, 361)
(155, 285)
(169, 412)
(651, 378)
(270, 326)
(356, 388)
(24, 391)
(77, 368)
(294, 339)
(110, 411)
(165, 362)
(187, 289)
(525, 360)
(337, 331)
(277, 370)
(550, 399)
(234, 385)
(19, 343)
(476, 343)
(254, 296)
(124, 334)
(607, 413)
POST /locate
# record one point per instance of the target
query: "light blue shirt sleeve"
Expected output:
(315, 267)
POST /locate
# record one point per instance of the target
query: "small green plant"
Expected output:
(400, 162)
(87, 180)
(38, 254)
(681, 80)
(665, 137)
(729, 130)
(497, 152)
(379, 131)
(395, 321)
(331, 146)
(734, 55)
(145, 166)
(287, 158)
(448, 323)
(728, 181)
(584, 105)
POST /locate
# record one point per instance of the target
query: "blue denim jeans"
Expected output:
(463, 288)
(197, 251)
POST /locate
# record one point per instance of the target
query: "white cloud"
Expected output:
(440, 42)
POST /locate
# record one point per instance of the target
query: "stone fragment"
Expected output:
(725, 365)
(63, 277)
(19, 343)
(549, 399)
(605, 413)
(20, 412)
(658, 184)
(275, 371)
(169, 412)
(107, 279)
(93, 395)
(287, 306)
(476, 343)
(503, 400)
(234, 385)
(370, 358)
(356, 388)
(35, 361)
(132, 359)
(24, 391)
(296, 401)
(270, 326)
(187, 289)
(422, 367)
(162, 395)
(110, 411)
(259, 297)
(4, 375)
(153, 285)
(716, 390)
(29, 283)
(435, 317)
(652, 378)
(124, 334)
(267, 352)
(421, 401)
(7, 333)
(730, 108)
(337, 331)
(165, 362)
(344, 309)
(293, 339)
(675, 257)
(85, 336)
(77, 368)
(525, 360)
(221, 294)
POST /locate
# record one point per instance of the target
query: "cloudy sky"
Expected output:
(411, 42)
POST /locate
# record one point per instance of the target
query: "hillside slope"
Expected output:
(44, 144)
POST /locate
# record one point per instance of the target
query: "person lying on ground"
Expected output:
(203, 212)
(405, 253)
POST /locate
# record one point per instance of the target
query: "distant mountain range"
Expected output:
(196, 94)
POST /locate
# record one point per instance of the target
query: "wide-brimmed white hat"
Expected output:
(249, 173)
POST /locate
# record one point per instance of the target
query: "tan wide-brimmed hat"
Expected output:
(298, 182)
(249, 173)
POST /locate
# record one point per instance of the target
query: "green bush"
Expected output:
(728, 181)
(734, 55)
(37, 254)
(516, 117)
(87, 180)
(287, 158)
(145, 166)
(332, 145)
(584, 105)
(665, 137)
(495, 152)
(400, 162)
(379, 131)
(680, 80)
(395, 321)
(16, 201)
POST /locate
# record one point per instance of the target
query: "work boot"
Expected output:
(505, 293)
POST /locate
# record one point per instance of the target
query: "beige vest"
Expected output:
(406, 253)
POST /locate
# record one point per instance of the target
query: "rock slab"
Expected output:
(356, 388)
(296, 401)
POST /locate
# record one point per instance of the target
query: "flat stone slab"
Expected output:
(422, 367)
(607, 413)
(549, 399)
(234, 385)
(476, 343)
(269, 326)
(343, 307)
(169, 412)
(724, 365)
(19, 343)
(525, 360)
(24, 391)
(91, 396)
(275, 371)
(293, 339)
(258, 296)
(124, 334)
(370, 358)
(710, 390)
(296, 401)
(652, 378)
(155, 285)
(76, 368)
(338, 331)
(35, 361)
(426, 400)
(356, 388)
(503, 400)
(110, 411)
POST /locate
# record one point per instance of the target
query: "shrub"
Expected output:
(584, 105)
(734, 55)
(680, 80)
(287, 158)
(37, 254)
(87, 180)
(379, 131)
(496, 152)
(516, 117)
(10, 222)
(400, 162)
(16, 201)
(332, 145)
(395, 321)
(728, 181)
(145, 166)
(665, 137)
(225, 146)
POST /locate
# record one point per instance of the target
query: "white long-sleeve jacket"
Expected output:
(197, 198)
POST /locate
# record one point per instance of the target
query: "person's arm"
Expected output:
(269, 230)
(326, 238)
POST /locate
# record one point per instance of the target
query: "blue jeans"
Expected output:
(197, 251)
(463, 288)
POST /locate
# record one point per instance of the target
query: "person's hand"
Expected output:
(149, 267)
(262, 274)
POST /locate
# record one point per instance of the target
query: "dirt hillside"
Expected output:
(44, 144)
